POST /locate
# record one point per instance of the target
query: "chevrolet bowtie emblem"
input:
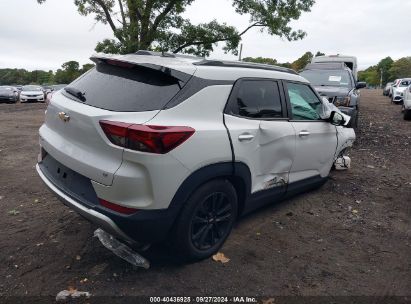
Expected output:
(64, 117)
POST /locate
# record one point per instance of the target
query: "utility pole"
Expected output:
(241, 52)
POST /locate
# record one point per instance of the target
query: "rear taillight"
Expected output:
(152, 139)
(117, 208)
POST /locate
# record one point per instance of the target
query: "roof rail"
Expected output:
(246, 65)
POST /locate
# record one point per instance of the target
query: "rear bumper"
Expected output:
(145, 226)
(100, 219)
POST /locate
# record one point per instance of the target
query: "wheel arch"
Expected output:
(237, 173)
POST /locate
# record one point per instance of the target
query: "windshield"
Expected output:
(405, 83)
(6, 89)
(31, 88)
(333, 78)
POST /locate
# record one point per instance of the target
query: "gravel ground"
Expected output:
(350, 237)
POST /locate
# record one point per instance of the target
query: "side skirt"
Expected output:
(266, 197)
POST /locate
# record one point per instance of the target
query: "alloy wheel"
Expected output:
(211, 221)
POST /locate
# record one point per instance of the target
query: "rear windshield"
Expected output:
(334, 78)
(125, 89)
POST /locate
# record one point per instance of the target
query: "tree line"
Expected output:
(296, 65)
(69, 71)
(388, 69)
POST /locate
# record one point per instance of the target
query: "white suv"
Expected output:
(398, 90)
(158, 147)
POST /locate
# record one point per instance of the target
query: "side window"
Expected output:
(256, 99)
(305, 105)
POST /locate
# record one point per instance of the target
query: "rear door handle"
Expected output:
(304, 133)
(245, 137)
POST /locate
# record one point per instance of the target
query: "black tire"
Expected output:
(407, 114)
(205, 221)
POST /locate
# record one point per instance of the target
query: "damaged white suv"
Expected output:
(154, 147)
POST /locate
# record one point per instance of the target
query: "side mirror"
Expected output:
(361, 85)
(336, 119)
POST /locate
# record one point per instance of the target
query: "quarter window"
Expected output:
(305, 105)
(256, 99)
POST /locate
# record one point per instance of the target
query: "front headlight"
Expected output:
(342, 101)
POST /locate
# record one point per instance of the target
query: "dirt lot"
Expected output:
(350, 237)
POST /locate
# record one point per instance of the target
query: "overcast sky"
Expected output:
(44, 36)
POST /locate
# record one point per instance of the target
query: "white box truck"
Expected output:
(350, 61)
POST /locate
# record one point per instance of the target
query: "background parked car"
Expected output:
(8, 94)
(349, 61)
(47, 89)
(387, 89)
(336, 82)
(407, 103)
(32, 93)
(398, 90)
(53, 89)
(392, 87)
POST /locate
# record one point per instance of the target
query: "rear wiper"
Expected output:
(76, 93)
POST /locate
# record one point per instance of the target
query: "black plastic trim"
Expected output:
(277, 194)
(305, 185)
(193, 86)
(73, 184)
(151, 226)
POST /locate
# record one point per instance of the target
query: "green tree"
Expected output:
(14, 76)
(60, 77)
(400, 68)
(371, 76)
(286, 65)
(70, 71)
(86, 67)
(301, 62)
(160, 25)
(385, 65)
(319, 54)
(270, 61)
(41, 77)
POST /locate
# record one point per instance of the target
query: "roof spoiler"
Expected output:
(180, 76)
